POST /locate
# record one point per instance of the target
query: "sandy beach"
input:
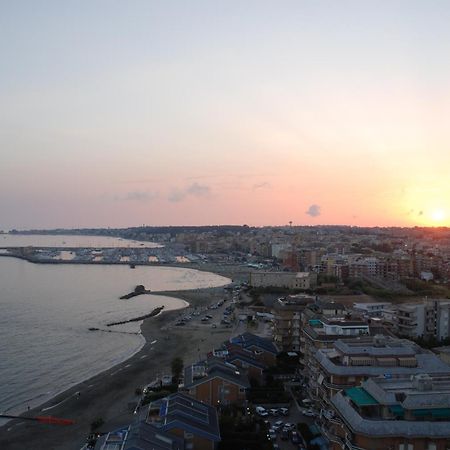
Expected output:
(110, 395)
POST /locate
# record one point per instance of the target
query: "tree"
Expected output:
(177, 368)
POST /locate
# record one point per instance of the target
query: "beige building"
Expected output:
(398, 413)
(288, 320)
(290, 280)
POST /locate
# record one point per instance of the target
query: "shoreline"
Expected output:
(107, 393)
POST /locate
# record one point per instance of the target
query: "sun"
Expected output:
(438, 215)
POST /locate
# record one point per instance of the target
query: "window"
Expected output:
(431, 446)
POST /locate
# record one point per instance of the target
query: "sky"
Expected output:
(121, 114)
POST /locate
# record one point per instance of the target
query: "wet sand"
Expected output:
(110, 395)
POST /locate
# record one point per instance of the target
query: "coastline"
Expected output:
(109, 393)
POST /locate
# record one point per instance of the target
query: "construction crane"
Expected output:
(50, 420)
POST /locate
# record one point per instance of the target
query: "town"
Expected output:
(338, 339)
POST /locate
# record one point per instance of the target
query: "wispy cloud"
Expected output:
(137, 196)
(198, 190)
(194, 190)
(313, 211)
(263, 185)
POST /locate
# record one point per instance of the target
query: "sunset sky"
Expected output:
(123, 113)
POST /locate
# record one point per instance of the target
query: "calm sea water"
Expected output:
(45, 313)
(18, 240)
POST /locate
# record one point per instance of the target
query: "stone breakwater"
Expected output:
(154, 313)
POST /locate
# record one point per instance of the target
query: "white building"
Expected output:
(428, 319)
(375, 309)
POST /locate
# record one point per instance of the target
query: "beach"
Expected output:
(110, 395)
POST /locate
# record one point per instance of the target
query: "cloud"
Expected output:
(136, 196)
(263, 185)
(194, 190)
(176, 196)
(313, 211)
(198, 190)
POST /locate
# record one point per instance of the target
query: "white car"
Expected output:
(309, 413)
(289, 426)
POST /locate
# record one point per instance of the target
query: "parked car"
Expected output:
(309, 413)
(273, 412)
(272, 434)
(284, 434)
(289, 426)
(284, 411)
(261, 411)
(295, 438)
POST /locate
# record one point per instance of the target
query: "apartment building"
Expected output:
(288, 320)
(397, 413)
(431, 318)
(289, 280)
(352, 361)
(318, 334)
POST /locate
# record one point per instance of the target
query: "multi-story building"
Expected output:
(352, 361)
(317, 334)
(289, 280)
(374, 309)
(288, 320)
(392, 413)
(430, 318)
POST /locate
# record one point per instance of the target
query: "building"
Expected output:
(429, 319)
(264, 349)
(288, 280)
(318, 334)
(352, 361)
(375, 309)
(247, 361)
(140, 435)
(216, 382)
(288, 321)
(186, 418)
(398, 413)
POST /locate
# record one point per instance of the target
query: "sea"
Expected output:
(46, 312)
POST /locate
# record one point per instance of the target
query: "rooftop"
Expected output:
(182, 411)
(409, 406)
(139, 435)
(250, 340)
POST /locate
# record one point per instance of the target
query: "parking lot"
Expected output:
(278, 422)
